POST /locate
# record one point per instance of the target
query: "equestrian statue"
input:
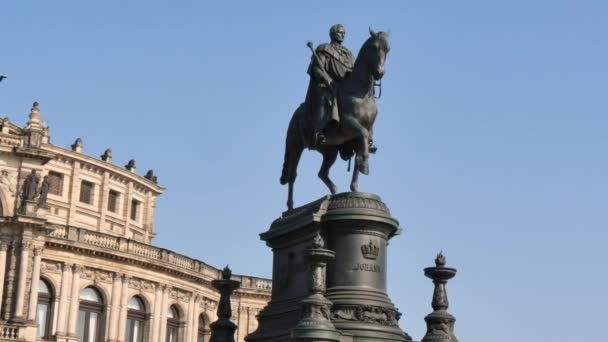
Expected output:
(339, 110)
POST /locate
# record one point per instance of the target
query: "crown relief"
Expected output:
(370, 250)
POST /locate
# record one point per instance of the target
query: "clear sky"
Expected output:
(491, 134)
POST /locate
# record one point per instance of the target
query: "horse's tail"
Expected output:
(293, 148)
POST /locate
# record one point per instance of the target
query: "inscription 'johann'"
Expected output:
(367, 268)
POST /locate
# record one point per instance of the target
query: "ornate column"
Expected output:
(124, 298)
(10, 277)
(315, 324)
(439, 323)
(23, 262)
(3, 249)
(63, 300)
(156, 313)
(31, 312)
(223, 329)
(74, 301)
(115, 309)
(163, 314)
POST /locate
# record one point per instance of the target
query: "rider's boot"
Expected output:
(319, 138)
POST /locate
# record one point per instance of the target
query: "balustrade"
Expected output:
(9, 333)
(147, 251)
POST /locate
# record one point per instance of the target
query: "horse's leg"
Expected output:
(293, 172)
(329, 158)
(293, 151)
(362, 137)
(354, 183)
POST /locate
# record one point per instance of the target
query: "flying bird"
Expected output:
(2, 77)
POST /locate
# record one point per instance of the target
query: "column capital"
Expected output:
(77, 268)
(4, 246)
(26, 245)
(126, 278)
(38, 251)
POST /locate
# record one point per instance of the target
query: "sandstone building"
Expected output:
(80, 266)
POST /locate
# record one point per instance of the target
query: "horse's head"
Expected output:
(377, 48)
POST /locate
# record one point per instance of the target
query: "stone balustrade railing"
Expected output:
(9, 332)
(155, 254)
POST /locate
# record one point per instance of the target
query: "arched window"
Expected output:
(203, 329)
(44, 310)
(136, 320)
(173, 324)
(90, 316)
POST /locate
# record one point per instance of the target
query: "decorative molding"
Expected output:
(366, 314)
(349, 201)
(48, 266)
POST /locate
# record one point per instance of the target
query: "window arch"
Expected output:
(90, 316)
(136, 320)
(173, 324)
(203, 328)
(44, 310)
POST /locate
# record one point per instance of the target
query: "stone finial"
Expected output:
(440, 323)
(107, 155)
(130, 165)
(440, 259)
(77, 145)
(34, 118)
(226, 273)
(150, 175)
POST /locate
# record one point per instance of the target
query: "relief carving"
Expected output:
(366, 314)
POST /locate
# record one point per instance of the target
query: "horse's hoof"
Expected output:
(364, 169)
(354, 188)
(333, 190)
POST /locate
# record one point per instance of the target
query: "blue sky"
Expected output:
(491, 128)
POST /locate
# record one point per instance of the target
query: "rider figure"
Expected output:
(336, 63)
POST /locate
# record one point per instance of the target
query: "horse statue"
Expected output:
(357, 107)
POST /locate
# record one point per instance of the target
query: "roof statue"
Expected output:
(339, 110)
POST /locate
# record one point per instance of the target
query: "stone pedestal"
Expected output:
(357, 227)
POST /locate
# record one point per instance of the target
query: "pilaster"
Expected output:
(74, 301)
(22, 279)
(124, 298)
(3, 251)
(31, 312)
(115, 308)
(63, 300)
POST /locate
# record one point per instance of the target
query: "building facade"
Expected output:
(76, 259)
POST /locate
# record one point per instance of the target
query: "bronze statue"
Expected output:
(351, 133)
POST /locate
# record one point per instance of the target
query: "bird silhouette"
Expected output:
(2, 77)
